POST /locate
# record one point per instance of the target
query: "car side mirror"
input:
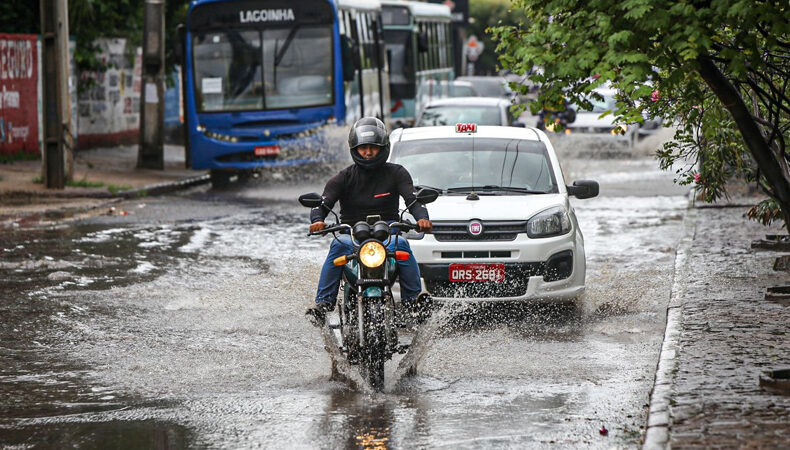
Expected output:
(426, 196)
(518, 125)
(582, 189)
(311, 200)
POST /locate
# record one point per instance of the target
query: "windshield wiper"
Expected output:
(494, 187)
(278, 58)
(421, 186)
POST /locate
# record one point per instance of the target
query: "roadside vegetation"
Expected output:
(717, 71)
(93, 19)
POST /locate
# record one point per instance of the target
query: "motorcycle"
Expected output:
(367, 310)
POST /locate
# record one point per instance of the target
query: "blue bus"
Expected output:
(266, 80)
(419, 44)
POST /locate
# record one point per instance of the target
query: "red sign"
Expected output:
(477, 272)
(267, 150)
(18, 94)
(466, 128)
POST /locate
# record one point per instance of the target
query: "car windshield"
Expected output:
(489, 87)
(452, 114)
(263, 69)
(607, 103)
(487, 163)
(457, 90)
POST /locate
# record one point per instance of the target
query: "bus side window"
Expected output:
(347, 53)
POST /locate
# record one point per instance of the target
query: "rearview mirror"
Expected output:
(347, 56)
(426, 196)
(311, 200)
(422, 42)
(582, 189)
(179, 47)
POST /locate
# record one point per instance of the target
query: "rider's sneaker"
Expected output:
(317, 314)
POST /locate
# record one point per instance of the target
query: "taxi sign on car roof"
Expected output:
(466, 128)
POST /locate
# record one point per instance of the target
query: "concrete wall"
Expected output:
(109, 111)
(19, 93)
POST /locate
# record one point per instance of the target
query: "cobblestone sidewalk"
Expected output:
(726, 336)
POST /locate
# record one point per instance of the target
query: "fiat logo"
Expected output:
(475, 228)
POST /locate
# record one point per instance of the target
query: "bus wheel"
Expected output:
(245, 176)
(220, 179)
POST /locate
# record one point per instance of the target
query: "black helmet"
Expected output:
(369, 131)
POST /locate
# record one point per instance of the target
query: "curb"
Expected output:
(165, 188)
(658, 416)
(150, 190)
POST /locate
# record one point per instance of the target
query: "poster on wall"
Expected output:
(18, 94)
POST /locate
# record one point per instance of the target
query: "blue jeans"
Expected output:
(329, 283)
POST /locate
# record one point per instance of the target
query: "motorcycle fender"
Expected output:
(372, 291)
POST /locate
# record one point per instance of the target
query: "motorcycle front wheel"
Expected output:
(375, 347)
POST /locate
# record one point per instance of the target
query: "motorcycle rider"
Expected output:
(370, 186)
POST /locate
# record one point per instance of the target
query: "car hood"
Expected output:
(587, 119)
(493, 207)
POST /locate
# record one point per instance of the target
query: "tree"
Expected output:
(717, 69)
(93, 19)
(118, 18)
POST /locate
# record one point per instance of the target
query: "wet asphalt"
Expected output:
(180, 325)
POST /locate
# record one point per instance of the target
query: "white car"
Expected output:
(591, 122)
(479, 110)
(503, 228)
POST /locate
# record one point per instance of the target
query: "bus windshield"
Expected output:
(243, 69)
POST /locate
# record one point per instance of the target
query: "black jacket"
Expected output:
(369, 192)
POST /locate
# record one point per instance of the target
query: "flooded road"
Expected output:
(181, 325)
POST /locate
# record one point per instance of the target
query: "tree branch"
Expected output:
(774, 169)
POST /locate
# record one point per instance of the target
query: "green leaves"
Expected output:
(649, 50)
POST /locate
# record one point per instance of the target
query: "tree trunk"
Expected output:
(771, 163)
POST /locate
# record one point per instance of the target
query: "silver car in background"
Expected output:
(479, 110)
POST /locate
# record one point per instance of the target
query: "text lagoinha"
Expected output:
(267, 15)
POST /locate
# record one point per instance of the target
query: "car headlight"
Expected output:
(372, 254)
(619, 129)
(552, 222)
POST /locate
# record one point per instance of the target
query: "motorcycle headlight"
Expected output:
(552, 222)
(372, 254)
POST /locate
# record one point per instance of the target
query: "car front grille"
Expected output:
(492, 231)
(515, 288)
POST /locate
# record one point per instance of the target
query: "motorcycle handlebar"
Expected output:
(331, 229)
(404, 226)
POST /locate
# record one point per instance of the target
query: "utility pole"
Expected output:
(152, 105)
(58, 157)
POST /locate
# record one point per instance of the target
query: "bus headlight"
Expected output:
(372, 254)
(221, 137)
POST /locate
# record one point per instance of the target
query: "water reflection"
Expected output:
(354, 420)
(99, 435)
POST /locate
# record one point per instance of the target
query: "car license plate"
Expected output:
(267, 150)
(477, 272)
